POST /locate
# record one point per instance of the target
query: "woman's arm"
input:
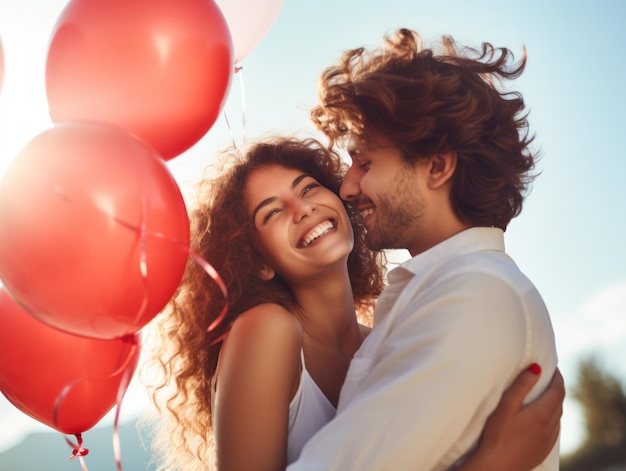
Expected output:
(258, 373)
(519, 437)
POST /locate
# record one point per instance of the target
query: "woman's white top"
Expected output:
(309, 411)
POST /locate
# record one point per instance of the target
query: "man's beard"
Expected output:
(398, 214)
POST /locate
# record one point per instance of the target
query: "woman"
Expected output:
(299, 277)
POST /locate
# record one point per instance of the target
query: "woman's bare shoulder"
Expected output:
(267, 322)
(262, 346)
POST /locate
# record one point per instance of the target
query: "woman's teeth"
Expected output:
(317, 232)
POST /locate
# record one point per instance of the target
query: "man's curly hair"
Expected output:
(426, 104)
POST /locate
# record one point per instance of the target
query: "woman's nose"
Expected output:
(302, 208)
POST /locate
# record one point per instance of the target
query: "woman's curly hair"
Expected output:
(427, 104)
(221, 234)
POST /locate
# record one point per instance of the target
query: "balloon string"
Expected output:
(143, 261)
(78, 450)
(207, 267)
(121, 390)
(221, 337)
(143, 265)
(230, 129)
(239, 72)
(65, 391)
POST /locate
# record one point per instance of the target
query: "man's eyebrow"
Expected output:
(296, 181)
(355, 148)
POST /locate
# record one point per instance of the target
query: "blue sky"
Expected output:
(569, 238)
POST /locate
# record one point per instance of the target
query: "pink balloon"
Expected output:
(161, 69)
(249, 22)
(93, 232)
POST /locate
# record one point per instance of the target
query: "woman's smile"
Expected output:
(318, 231)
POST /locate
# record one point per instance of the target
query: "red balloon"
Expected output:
(64, 381)
(94, 230)
(158, 68)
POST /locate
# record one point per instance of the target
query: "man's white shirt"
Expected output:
(452, 330)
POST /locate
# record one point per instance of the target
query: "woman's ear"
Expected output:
(267, 273)
(441, 168)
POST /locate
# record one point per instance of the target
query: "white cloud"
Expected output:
(600, 323)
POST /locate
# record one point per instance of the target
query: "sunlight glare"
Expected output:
(23, 106)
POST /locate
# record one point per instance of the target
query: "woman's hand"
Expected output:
(519, 437)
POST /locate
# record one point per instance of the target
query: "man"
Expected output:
(440, 165)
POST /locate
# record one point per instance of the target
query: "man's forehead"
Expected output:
(355, 142)
(372, 140)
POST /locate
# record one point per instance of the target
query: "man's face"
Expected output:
(387, 192)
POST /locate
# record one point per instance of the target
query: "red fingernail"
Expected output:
(535, 369)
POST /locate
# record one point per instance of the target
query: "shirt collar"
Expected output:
(474, 239)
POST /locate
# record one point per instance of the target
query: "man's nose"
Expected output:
(350, 188)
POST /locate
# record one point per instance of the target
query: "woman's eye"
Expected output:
(365, 165)
(269, 215)
(310, 187)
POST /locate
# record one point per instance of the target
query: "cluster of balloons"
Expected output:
(94, 231)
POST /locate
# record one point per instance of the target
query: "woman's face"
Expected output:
(301, 228)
